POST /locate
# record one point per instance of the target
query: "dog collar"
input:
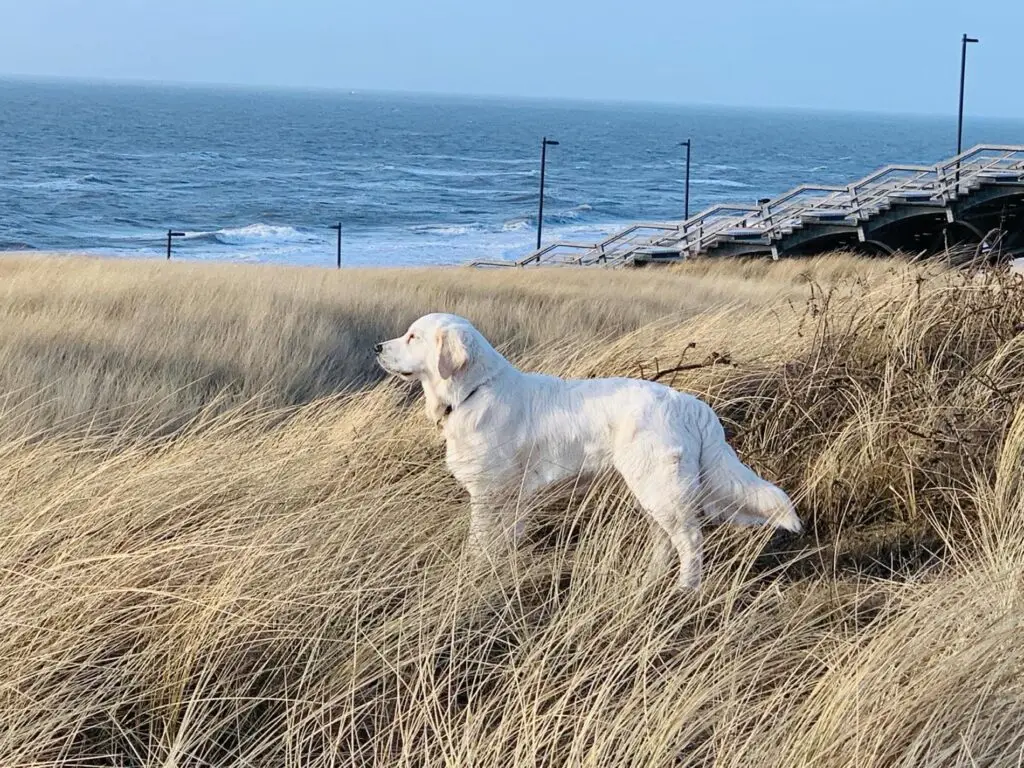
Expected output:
(448, 409)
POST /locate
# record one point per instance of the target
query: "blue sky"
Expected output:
(874, 55)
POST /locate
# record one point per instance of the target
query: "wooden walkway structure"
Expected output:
(975, 199)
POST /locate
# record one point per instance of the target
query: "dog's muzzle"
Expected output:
(404, 375)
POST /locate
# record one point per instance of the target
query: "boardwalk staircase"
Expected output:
(975, 198)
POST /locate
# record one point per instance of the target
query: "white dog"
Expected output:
(510, 434)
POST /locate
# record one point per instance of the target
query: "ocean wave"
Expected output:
(451, 173)
(720, 183)
(63, 184)
(525, 196)
(515, 225)
(469, 159)
(551, 216)
(255, 234)
(560, 217)
(569, 215)
(202, 155)
(444, 230)
(15, 245)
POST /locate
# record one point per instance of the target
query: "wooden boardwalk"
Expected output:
(974, 200)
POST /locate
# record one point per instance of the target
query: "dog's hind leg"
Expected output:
(667, 485)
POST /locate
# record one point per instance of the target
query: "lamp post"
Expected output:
(963, 72)
(171, 234)
(544, 144)
(687, 144)
(338, 228)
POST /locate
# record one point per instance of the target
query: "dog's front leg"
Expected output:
(485, 531)
(662, 553)
(494, 528)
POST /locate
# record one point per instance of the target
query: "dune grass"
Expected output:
(226, 542)
(90, 341)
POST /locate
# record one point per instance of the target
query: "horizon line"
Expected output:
(344, 90)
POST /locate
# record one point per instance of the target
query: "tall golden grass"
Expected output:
(226, 542)
(94, 342)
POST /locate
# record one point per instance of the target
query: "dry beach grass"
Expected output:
(225, 541)
(90, 341)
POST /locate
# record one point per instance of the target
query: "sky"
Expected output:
(863, 55)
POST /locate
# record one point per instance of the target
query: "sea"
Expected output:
(413, 180)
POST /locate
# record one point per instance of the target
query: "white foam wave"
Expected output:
(468, 159)
(55, 185)
(451, 231)
(451, 173)
(719, 183)
(255, 234)
(572, 213)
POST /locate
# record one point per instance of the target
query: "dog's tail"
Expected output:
(732, 493)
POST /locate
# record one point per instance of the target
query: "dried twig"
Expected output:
(721, 360)
(715, 358)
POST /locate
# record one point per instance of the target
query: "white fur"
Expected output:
(510, 434)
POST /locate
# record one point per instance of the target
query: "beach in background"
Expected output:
(259, 176)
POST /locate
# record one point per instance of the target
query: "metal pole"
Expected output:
(170, 235)
(338, 228)
(963, 74)
(686, 212)
(540, 210)
(544, 144)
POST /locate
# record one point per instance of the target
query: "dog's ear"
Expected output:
(452, 355)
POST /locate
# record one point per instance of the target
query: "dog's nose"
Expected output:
(378, 348)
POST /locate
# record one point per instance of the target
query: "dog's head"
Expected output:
(436, 348)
